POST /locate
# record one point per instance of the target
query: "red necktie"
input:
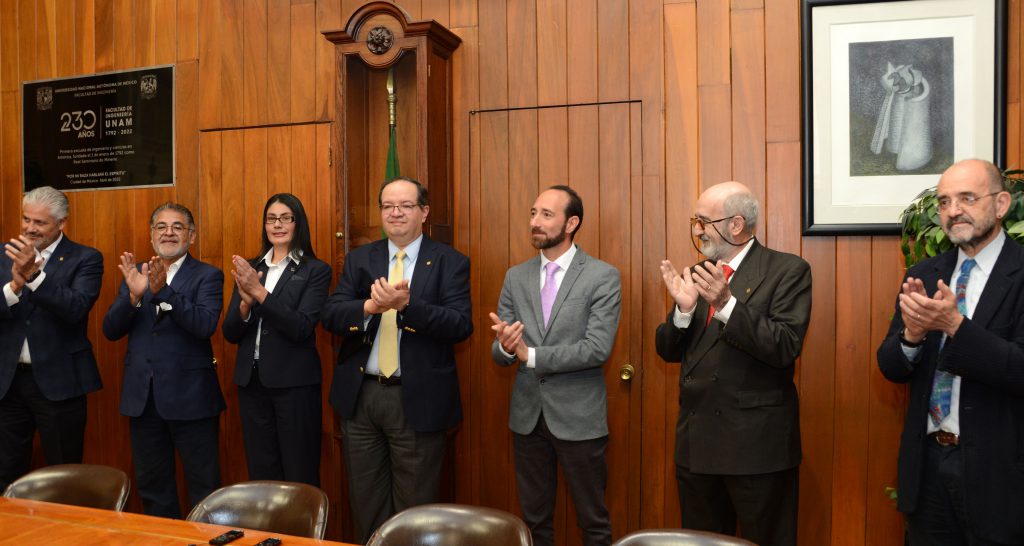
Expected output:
(711, 308)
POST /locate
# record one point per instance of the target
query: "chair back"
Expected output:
(452, 525)
(276, 507)
(90, 485)
(679, 537)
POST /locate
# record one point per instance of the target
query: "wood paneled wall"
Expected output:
(719, 85)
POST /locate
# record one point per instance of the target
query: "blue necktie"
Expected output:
(942, 386)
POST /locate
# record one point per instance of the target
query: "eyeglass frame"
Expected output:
(406, 208)
(697, 220)
(965, 200)
(272, 220)
(177, 228)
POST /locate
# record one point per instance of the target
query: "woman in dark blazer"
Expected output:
(272, 317)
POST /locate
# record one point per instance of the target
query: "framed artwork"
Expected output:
(894, 93)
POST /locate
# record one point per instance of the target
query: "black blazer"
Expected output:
(988, 354)
(738, 407)
(288, 355)
(55, 319)
(172, 351)
(439, 315)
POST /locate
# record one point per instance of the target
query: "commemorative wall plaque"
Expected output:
(110, 130)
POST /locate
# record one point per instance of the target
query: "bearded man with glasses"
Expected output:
(169, 306)
(737, 327)
(957, 337)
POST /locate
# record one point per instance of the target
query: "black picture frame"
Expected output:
(886, 163)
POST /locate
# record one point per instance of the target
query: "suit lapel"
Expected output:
(1000, 281)
(379, 260)
(184, 273)
(424, 268)
(290, 269)
(530, 282)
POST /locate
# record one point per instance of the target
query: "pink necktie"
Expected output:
(549, 291)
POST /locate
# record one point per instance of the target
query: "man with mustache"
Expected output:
(957, 336)
(46, 361)
(557, 318)
(168, 307)
(737, 327)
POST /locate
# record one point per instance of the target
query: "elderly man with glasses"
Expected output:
(169, 306)
(957, 336)
(737, 327)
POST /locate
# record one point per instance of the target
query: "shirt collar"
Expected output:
(46, 252)
(737, 259)
(986, 257)
(411, 250)
(563, 261)
(177, 264)
(293, 256)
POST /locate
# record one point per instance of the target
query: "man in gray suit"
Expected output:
(557, 319)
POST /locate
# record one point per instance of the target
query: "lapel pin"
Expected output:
(748, 290)
(61, 259)
(292, 269)
(428, 262)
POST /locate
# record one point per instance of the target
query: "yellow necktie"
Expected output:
(387, 358)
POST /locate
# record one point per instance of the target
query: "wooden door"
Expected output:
(239, 170)
(515, 155)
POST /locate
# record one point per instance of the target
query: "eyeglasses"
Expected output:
(704, 223)
(284, 219)
(177, 228)
(963, 200)
(406, 208)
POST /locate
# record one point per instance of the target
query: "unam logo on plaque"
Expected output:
(379, 40)
(44, 98)
(148, 86)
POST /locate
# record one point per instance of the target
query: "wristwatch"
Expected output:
(34, 276)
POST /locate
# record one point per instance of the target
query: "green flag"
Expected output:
(391, 169)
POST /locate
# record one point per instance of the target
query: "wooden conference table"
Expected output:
(28, 522)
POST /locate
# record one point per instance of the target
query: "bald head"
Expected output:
(728, 199)
(976, 169)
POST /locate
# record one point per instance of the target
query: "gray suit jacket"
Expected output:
(567, 383)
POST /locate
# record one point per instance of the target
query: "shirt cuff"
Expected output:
(34, 285)
(725, 312)
(10, 296)
(681, 319)
(531, 359)
(912, 353)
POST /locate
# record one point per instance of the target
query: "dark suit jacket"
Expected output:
(738, 407)
(55, 319)
(172, 351)
(439, 315)
(988, 354)
(288, 356)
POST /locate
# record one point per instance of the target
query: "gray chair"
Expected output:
(276, 507)
(452, 525)
(89, 485)
(679, 537)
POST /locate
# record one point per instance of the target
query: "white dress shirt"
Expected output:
(274, 272)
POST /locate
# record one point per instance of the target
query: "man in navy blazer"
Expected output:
(169, 307)
(957, 336)
(46, 362)
(396, 413)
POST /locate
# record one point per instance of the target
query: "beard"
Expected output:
(711, 249)
(543, 242)
(983, 229)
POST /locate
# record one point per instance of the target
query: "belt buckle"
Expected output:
(945, 438)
